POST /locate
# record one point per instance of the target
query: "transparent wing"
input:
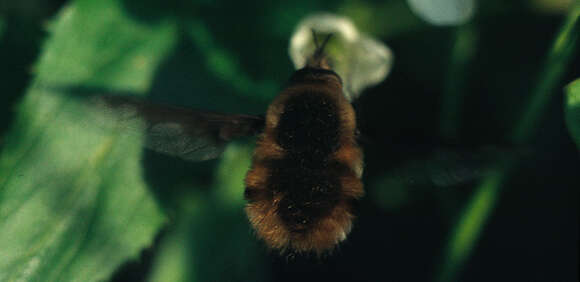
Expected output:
(184, 133)
(445, 168)
(358, 59)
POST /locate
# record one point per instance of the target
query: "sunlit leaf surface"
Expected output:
(73, 205)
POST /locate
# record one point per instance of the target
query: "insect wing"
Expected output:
(184, 133)
(446, 167)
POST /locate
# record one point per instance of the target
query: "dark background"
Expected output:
(400, 234)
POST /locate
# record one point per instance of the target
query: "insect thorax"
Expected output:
(308, 129)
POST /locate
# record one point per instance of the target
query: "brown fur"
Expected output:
(325, 234)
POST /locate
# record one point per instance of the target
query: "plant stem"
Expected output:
(468, 228)
(462, 53)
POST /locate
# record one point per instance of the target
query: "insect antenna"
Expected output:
(318, 59)
(315, 38)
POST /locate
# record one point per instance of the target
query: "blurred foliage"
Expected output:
(573, 110)
(474, 216)
(78, 203)
(556, 63)
(73, 204)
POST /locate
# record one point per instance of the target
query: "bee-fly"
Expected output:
(307, 164)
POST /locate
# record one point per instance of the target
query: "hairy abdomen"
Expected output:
(306, 172)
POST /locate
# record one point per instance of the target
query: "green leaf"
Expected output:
(573, 110)
(559, 57)
(471, 223)
(73, 204)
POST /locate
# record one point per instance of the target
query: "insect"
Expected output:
(307, 165)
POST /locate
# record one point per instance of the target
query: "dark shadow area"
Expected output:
(260, 48)
(138, 268)
(20, 41)
(183, 79)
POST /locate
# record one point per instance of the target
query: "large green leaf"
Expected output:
(573, 110)
(73, 205)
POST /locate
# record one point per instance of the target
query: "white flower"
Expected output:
(358, 59)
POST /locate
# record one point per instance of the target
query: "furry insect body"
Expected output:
(307, 166)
